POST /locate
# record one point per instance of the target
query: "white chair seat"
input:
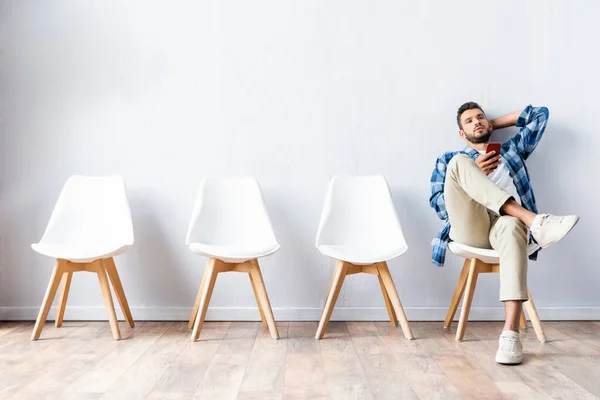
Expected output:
(80, 253)
(363, 254)
(235, 253)
(232, 213)
(359, 223)
(488, 256)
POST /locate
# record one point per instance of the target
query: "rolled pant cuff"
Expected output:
(515, 298)
(500, 203)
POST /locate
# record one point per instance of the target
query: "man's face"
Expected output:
(475, 126)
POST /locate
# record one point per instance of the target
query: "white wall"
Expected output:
(290, 92)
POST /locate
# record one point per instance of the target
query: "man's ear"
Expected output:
(461, 133)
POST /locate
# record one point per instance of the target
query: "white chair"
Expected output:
(359, 228)
(230, 225)
(479, 261)
(90, 224)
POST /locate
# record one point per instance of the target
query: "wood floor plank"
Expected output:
(438, 345)
(589, 339)
(16, 335)
(101, 376)
(7, 327)
(86, 346)
(521, 391)
(304, 377)
(24, 358)
(239, 339)
(223, 377)
(240, 360)
(386, 377)
(188, 368)
(539, 373)
(345, 377)
(569, 327)
(427, 380)
(145, 372)
(14, 347)
(337, 340)
(301, 338)
(259, 396)
(80, 396)
(575, 360)
(482, 356)
(41, 354)
(509, 381)
(394, 340)
(266, 368)
(470, 381)
(582, 370)
(265, 342)
(367, 339)
(168, 396)
(553, 382)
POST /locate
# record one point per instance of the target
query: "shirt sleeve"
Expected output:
(532, 122)
(438, 177)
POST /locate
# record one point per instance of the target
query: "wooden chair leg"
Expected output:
(198, 297)
(522, 320)
(458, 292)
(64, 294)
(392, 292)
(48, 299)
(108, 301)
(388, 304)
(263, 298)
(258, 302)
(535, 319)
(339, 275)
(207, 289)
(466, 306)
(113, 274)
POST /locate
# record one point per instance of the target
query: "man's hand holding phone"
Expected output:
(491, 159)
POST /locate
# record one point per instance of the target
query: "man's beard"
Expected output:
(479, 139)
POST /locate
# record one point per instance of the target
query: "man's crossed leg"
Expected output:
(483, 215)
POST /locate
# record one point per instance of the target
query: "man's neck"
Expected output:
(477, 146)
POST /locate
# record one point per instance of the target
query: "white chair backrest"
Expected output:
(230, 211)
(359, 210)
(91, 210)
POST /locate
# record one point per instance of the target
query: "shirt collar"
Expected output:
(471, 151)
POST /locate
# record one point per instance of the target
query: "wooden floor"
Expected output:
(239, 360)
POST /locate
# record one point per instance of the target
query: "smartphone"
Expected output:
(493, 147)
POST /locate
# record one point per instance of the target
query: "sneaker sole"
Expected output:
(560, 238)
(505, 361)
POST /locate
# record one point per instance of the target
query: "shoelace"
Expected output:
(552, 220)
(509, 343)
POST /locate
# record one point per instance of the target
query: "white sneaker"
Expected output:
(551, 228)
(510, 348)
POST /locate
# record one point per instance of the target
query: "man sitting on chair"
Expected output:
(486, 201)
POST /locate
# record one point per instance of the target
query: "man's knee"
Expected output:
(511, 227)
(459, 161)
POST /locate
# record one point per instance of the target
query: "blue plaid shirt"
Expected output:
(532, 122)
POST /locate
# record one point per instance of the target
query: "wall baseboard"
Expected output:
(98, 313)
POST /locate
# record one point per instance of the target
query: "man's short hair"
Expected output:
(467, 106)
